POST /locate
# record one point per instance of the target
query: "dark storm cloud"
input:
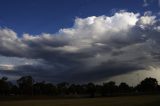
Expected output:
(103, 71)
(95, 48)
(76, 74)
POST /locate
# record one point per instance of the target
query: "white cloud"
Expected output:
(157, 28)
(92, 29)
(147, 20)
(6, 67)
(92, 42)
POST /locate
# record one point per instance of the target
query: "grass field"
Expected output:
(110, 101)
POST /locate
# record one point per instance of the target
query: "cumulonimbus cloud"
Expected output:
(95, 48)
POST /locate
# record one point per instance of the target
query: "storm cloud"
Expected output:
(95, 48)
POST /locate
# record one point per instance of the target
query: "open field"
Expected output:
(110, 101)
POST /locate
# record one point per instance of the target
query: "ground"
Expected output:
(109, 101)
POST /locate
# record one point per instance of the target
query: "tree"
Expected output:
(63, 88)
(148, 85)
(108, 89)
(80, 89)
(50, 89)
(91, 89)
(4, 86)
(26, 85)
(72, 89)
(124, 88)
(14, 90)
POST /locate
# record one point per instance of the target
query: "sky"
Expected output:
(80, 41)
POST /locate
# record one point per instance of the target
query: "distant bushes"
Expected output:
(27, 86)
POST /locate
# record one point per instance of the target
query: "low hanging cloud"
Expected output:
(94, 49)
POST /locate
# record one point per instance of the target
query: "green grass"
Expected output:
(110, 101)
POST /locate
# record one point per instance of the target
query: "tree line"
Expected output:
(27, 86)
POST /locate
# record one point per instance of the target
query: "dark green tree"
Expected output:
(25, 84)
(4, 86)
(63, 88)
(124, 88)
(91, 89)
(109, 89)
(148, 85)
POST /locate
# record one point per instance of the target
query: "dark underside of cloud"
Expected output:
(94, 49)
